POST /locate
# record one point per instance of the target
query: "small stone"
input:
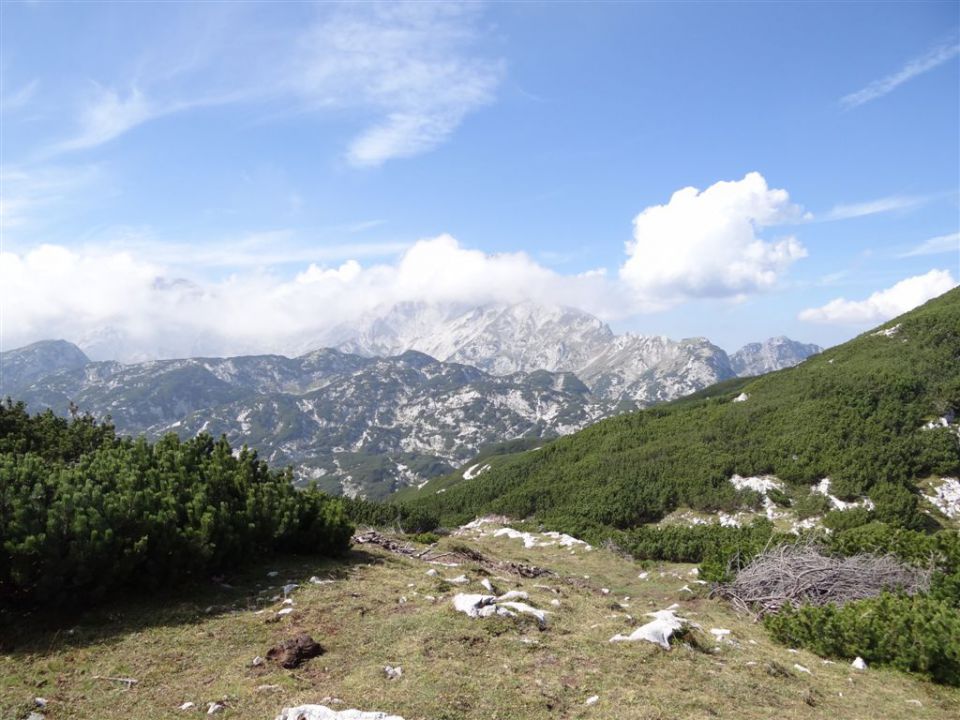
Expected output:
(604, 591)
(859, 664)
(272, 573)
(393, 673)
(592, 700)
(257, 661)
(215, 707)
(801, 668)
(285, 611)
(40, 702)
(187, 706)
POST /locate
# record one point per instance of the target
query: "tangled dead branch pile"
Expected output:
(803, 574)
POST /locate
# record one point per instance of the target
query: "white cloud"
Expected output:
(874, 207)
(408, 62)
(878, 88)
(257, 250)
(52, 291)
(936, 245)
(128, 298)
(409, 71)
(27, 194)
(706, 244)
(20, 98)
(108, 114)
(883, 304)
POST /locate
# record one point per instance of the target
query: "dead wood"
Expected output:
(804, 574)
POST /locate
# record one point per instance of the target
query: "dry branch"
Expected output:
(461, 554)
(803, 574)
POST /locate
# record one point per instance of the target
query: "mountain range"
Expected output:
(410, 395)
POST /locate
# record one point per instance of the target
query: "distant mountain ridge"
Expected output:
(502, 339)
(770, 355)
(354, 424)
(375, 415)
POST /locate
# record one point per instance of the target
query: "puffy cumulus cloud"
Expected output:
(883, 304)
(706, 243)
(116, 305)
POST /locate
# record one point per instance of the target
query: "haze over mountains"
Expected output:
(407, 395)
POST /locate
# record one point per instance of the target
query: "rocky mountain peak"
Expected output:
(772, 354)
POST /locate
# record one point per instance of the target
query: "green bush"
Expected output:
(779, 497)
(812, 504)
(426, 538)
(83, 512)
(408, 519)
(918, 634)
(841, 520)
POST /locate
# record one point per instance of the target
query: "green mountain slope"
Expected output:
(854, 414)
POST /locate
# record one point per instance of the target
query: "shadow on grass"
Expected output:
(26, 632)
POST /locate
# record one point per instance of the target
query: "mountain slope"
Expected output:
(647, 370)
(502, 339)
(499, 339)
(854, 414)
(20, 367)
(361, 425)
(773, 354)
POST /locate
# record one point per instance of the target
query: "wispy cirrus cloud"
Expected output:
(28, 193)
(411, 71)
(949, 243)
(19, 98)
(415, 66)
(918, 66)
(873, 207)
(108, 114)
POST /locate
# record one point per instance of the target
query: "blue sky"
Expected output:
(286, 166)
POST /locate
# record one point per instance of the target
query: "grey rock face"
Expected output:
(773, 354)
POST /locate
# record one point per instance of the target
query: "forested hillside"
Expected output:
(855, 414)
